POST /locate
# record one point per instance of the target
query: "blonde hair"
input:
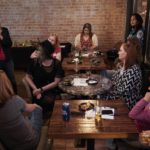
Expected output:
(57, 44)
(6, 90)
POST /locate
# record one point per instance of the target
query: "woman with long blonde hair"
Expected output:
(16, 132)
(53, 39)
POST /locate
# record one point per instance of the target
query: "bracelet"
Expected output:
(41, 90)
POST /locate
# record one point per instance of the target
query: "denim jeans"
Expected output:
(36, 120)
(107, 73)
(110, 143)
(8, 67)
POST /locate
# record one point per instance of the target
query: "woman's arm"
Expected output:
(77, 42)
(30, 107)
(29, 80)
(48, 86)
(140, 111)
(94, 42)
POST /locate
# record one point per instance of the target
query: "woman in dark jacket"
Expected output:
(6, 62)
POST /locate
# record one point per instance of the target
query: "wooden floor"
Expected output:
(59, 144)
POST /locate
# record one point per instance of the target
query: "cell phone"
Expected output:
(107, 112)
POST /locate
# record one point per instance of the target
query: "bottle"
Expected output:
(66, 111)
(98, 119)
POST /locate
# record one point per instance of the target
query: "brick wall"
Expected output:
(32, 19)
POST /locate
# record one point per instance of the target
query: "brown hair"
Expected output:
(89, 27)
(132, 55)
(6, 90)
(134, 41)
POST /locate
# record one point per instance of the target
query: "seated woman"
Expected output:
(16, 131)
(141, 113)
(43, 77)
(86, 40)
(53, 39)
(131, 41)
(126, 82)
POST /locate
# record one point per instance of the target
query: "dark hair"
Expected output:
(46, 49)
(89, 27)
(139, 22)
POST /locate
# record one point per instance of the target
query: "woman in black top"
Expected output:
(43, 76)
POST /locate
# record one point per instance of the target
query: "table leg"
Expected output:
(90, 144)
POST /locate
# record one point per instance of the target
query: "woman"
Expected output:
(43, 77)
(16, 132)
(136, 28)
(141, 113)
(126, 82)
(86, 40)
(6, 62)
(53, 39)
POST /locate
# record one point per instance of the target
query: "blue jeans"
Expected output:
(8, 67)
(36, 120)
(107, 73)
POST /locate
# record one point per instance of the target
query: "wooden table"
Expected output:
(87, 63)
(102, 86)
(80, 127)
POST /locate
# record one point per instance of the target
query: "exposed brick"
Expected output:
(29, 20)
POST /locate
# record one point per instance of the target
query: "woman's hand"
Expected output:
(145, 137)
(36, 92)
(39, 96)
(30, 107)
(147, 96)
(35, 54)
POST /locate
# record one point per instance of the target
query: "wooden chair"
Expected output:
(28, 94)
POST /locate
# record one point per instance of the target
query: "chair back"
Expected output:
(27, 90)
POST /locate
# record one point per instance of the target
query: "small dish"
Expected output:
(86, 106)
(92, 81)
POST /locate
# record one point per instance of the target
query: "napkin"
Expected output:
(90, 113)
(80, 82)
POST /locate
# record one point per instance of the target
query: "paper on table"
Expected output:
(80, 82)
(90, 113)
(111, 117)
